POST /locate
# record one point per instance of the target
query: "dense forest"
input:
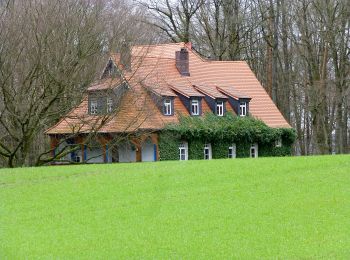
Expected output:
(50, 51)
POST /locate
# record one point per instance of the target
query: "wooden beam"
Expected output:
(154, 139)
(138, 153)
(138, 146)
(103, 140)
(54, 141)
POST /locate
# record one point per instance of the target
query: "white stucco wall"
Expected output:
(147, 151)
(67, 157)
(126, 153)
(59, 148)
(94, 155)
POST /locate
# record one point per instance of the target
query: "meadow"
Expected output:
(285, 208)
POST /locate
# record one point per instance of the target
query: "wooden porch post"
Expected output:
(104, 143)
(54, 141)
(138, 149)
(138, 152)
(154, 139)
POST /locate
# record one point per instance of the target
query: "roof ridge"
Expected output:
(151, 45)
(158, 44)
(227, 61)
(205, 59)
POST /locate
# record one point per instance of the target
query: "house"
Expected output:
(143, 89)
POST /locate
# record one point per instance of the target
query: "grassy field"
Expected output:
(285, 208)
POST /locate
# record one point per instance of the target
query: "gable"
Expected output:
(111, 70)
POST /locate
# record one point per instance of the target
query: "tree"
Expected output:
(48, 58)
(299, 50)
(173, 18)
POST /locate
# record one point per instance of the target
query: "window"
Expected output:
(93, 107)
(109, 105)
(195, 107)
(243, 109)
(183, 151)
(167, 107)
(207, 151)
(278, 143)
(232, 151)
(112, 70)
(220, 108)
(254, 151)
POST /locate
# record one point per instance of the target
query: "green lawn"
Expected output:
(285, 208)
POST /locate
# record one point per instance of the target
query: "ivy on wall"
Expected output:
(195, 149)
(220, 149)
(243, 149)
(169, 145)
(222, 132)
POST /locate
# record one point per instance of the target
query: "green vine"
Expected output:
(168, 146)
(222, 132)
(195, 149)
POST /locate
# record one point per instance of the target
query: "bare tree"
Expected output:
(173, 18)
(298, 49)
(48, 58)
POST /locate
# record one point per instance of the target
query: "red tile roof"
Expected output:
(232, 92)
(153, 68)
(210, 91)
(186, 90)
(105, 84)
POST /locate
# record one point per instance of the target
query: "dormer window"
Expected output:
(243, 109)
(167, 107)
(93, 107)
(195, 107)
(109, 105)
(220, 108)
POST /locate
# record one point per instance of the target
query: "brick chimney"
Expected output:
(182, 62)
(125, 56)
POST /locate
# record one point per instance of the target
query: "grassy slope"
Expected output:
(273, 207)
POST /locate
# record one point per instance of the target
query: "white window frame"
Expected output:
(278, 143)
(220, 108)
(167, 107)
(243, 108)
(207, 152)
(232, 151)
(195, 107)
(183, 151)
(254, 154)
(109, 105)
(93, 107)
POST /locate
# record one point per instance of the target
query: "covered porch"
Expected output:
(105, 148)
